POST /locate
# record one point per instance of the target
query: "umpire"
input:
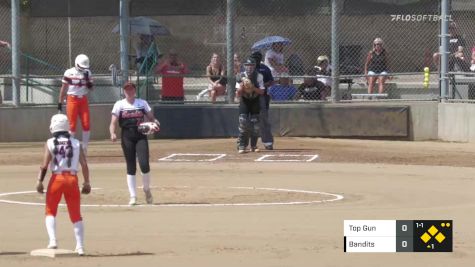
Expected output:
(264, 101)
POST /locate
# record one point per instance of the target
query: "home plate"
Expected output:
(53, 253)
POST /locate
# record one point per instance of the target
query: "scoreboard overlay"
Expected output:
(398, 236)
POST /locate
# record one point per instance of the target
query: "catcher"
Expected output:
(63, 152)
(249, 87)
(130, 113)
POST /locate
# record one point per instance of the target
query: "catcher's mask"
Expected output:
(59, 123)
(257, 56)
(250, 65)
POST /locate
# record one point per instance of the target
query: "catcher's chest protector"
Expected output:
(250, 96)
(253, 78)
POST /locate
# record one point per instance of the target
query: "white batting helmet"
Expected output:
(378, 41)
(320, 59)
(59, 123)
(82, 61)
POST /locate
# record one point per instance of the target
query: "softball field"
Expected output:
(213, 207)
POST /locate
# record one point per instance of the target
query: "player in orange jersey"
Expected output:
(63, 153)
(77, 82)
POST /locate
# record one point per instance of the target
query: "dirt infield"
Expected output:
(378, 180)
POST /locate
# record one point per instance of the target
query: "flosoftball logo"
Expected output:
(420, 18)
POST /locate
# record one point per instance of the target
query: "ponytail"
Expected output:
(69, 151)
(55, 150)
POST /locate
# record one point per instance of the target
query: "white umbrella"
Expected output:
(146, 26)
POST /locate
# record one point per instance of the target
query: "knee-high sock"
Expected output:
(85, 139)
(146, 181)
(79, 234)
(132, 184)
(50, 222)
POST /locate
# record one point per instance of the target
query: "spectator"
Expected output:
(310, 88)
(376, 66)
(456, 46)
(172, 71)
(216, 73)
(4, 44)
(323, 73)
(147, 53)
(472, 68)
(238, 67)
(284, 90)
(274, 59)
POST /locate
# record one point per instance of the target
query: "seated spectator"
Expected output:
(323, 73)
(284, 90)
(311, 88)
(456, 46)
(377, 66)
(238, 67)
(472, 68)
(172, 71)
(215, 72)
(4, 44)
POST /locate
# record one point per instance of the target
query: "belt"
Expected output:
(66, 172)
(77, 96)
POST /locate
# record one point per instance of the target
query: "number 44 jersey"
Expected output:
(62, 149)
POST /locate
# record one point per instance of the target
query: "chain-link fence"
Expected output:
(407, 31)
(5, 57)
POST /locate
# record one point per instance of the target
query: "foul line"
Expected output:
(336, 198)
(170, 157)
(264, 158)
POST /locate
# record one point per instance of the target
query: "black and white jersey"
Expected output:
(130, 115)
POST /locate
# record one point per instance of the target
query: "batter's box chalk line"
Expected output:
(192, 157)
(287, 158)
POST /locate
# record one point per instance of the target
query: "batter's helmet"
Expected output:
(59, 123)
(82, 61)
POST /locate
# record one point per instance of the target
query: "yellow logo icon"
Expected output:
(434, 232)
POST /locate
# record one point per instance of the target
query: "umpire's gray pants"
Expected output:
(265, 127)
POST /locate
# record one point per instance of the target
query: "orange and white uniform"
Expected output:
(64, 180)
(79, 83)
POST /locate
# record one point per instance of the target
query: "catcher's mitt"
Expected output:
(247, 86)
(148, 128)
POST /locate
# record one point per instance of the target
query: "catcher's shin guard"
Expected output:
(254, 121)
(243, 123)
(254, 129)
(243, 138)
(254, 141)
